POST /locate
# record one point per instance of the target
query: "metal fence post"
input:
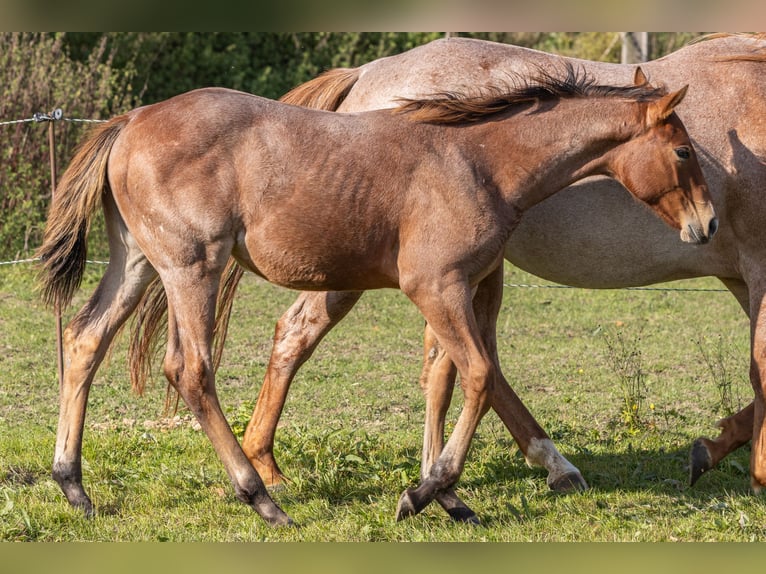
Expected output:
(56, 306)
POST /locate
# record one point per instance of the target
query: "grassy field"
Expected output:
(623, 381)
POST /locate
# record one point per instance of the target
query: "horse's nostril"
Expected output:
(713, 227)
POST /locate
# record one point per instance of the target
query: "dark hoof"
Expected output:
(88, 510)
(266, 508)
(78, 499)
(569, 482)
(406, 506)
(699, 461)
(85, 506)
(465, 515)
(278, 519)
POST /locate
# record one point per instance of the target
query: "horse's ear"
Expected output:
(662, 108)
(640, 79)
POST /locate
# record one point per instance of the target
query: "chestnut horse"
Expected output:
(569, 238)
(423, 200)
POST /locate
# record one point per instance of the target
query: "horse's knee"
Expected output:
(191, 377)
(479, 382)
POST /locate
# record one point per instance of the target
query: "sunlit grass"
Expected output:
(351, 431)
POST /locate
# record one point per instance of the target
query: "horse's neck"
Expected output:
(534, 155)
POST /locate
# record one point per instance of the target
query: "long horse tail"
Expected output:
(63, 252)
(151, 319)
(325, 92)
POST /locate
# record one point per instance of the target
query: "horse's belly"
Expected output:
(317, 265)
(596, 235)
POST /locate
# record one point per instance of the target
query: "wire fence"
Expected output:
(54, 116)
(50, 117)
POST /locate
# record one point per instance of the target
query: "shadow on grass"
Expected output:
(631, 469)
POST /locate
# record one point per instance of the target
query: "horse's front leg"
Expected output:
(758, 381)
(737, 429)
(447, 306)
(297, 334)
(437, 382)
(538, 449)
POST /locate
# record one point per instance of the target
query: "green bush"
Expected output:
(37, 76)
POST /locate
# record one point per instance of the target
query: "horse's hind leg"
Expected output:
(736, 431)
(191, 294)
(86, 340)
(296, 335)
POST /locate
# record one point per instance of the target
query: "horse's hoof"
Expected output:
(406, 506)
(277, 518)
(86, 507)
(81, 502)
(569, 482)
(282, 523)
(699, 461)
(464, 515)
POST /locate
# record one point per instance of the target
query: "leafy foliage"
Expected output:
(36, 76)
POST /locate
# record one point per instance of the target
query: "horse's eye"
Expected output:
(683, 152)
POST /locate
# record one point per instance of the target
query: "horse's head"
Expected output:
(659, 166)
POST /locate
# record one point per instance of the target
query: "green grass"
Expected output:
(350, 435)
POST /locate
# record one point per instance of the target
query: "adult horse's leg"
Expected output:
(448, 308)
(297, 334)
(85, 342)
(737, 429)
(191, 294)
(758, 381)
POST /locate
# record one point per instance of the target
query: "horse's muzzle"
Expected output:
(699, 236)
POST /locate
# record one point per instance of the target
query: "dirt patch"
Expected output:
(18, 476)
(166, 423)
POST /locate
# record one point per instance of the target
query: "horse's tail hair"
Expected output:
(150, 321)
(63, 252)
(325, 92)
